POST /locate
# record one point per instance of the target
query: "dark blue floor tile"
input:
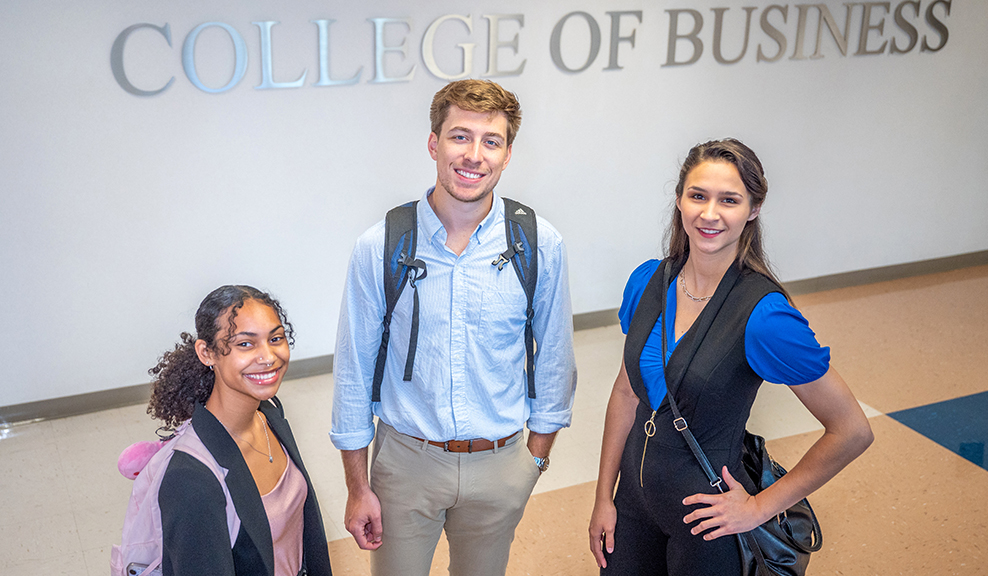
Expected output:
(959, 425)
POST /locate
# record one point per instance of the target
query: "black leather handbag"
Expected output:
(780, 546)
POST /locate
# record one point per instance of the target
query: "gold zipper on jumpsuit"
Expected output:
(649, 432)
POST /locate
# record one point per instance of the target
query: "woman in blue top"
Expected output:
(664, 517)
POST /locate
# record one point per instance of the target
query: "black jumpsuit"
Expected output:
(715, 394)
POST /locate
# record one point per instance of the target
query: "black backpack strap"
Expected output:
(400, 232)
(521, 233)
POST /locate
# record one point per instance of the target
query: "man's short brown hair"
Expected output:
(476, 96)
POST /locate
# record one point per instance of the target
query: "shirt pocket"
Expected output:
(502, 327)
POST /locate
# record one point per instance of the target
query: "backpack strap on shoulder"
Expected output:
(400, 232)
(521, 233)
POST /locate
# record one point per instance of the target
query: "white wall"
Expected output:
(119, 212)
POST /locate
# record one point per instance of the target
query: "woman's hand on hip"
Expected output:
(732, 512)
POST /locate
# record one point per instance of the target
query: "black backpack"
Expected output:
(401, 267)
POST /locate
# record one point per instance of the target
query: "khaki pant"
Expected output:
(477, 498)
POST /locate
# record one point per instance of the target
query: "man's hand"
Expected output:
(363, 519)
(363, 510)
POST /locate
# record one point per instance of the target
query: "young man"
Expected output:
(449, 452)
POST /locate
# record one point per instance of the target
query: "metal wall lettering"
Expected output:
(495, 44)
(557, 37)
(428, 48)
(189, 57)
(380, 50)
(886, 28)
(325, 79)
(116, 59)
(267, 74)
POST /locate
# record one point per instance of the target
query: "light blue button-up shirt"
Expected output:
(469, 376)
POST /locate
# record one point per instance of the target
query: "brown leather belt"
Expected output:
(468, 446)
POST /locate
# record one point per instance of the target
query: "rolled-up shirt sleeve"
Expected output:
(358, 339)
(555, 362)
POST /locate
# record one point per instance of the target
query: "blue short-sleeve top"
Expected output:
(779, 344)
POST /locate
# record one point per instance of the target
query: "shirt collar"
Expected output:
(433, 227)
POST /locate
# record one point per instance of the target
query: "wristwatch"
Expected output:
(542, 463)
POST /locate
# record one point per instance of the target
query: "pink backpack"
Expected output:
(140, 551)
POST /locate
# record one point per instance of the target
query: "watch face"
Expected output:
(543, 464)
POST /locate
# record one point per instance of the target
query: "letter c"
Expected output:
(116, 59)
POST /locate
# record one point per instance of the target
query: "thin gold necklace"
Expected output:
(269, 454)
(682, 282)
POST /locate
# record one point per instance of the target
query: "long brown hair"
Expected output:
(751, 254)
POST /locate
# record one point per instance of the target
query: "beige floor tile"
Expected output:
(26, 436)
(31, 539)
(89, 462)
(33, 484)
(336, 530)
(574, 460)
(777, 413)
(97, 561)
(330, 486)
(122, 422)
(348, 559)
(71, 564)
(552, 538)
(909, 342)
(100, 526)
(576, 452)
(907, 506)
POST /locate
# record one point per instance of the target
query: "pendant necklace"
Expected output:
(266, 437)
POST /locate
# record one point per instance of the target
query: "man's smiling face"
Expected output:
(470, 153)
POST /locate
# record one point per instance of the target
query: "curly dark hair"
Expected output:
(180, 379)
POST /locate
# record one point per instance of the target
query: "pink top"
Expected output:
(283, 505)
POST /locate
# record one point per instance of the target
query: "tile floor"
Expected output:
(915, 503)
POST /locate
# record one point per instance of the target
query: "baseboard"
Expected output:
(597, 319)
(139, 394)
(887, 273)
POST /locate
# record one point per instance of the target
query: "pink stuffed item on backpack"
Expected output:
(145, 463)
(135, 457)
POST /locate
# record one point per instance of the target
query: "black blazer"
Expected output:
(193, 508)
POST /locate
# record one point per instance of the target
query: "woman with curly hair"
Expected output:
(729, 326)
(219, 389)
